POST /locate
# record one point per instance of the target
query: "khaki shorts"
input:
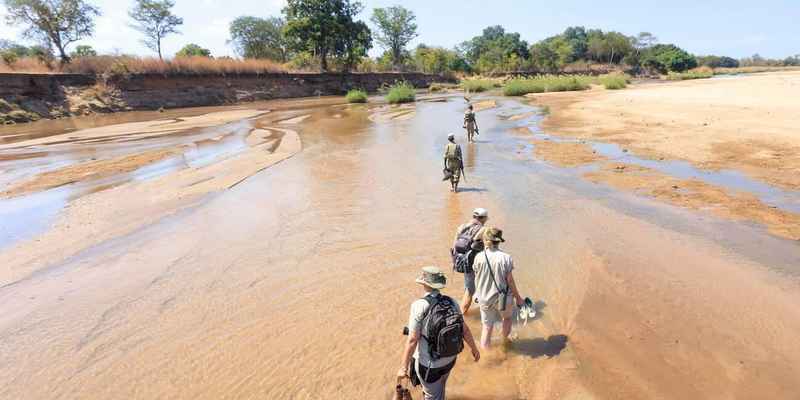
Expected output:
(491, 315)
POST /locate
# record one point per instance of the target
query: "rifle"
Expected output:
(462, 170)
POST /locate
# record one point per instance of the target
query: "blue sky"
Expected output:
(726, 27)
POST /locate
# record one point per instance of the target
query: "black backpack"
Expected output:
(443, 327)
(463, 254)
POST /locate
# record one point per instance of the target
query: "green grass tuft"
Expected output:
(477, 85)
(401, 92)
(356, 96)
(614, 81)
(700, 73)
(547, 83)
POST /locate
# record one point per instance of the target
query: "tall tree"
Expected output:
(83, 51)
(254, 37)
(155, 20)
(396, 28)
(193, 50)
(494, 48)
(57, 23)
(327, 27)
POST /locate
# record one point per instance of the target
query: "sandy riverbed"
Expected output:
(746, 123)
(200, 285)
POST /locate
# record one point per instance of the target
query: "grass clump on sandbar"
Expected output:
(614, 81)
(356, 96)
(402, 92)
(546, 83)
(477, 85)
(697, 73)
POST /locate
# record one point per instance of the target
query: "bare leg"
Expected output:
(466, 302)
(486, 336)
(507, 327)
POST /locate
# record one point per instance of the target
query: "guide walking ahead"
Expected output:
(453, 162)
(437, 334)
(470, 124)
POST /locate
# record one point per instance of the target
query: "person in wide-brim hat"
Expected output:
(418, 362)
(432, 277)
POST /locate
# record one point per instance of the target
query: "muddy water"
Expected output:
(296, 283)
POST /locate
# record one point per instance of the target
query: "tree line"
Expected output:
(327, 34)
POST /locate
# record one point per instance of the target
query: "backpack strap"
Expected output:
(489, 267)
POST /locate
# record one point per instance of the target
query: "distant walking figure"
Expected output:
(470, 124)
(453, 162)
(495, 286)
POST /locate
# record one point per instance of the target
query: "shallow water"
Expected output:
(295, 283)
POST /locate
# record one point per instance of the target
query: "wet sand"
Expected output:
(295, 282)
(747, 123)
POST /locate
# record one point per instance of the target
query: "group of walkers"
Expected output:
(436, 328)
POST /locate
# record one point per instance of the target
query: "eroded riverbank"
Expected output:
(309, 266)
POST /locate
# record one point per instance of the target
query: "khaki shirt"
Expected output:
(452, 149)
(501, 265)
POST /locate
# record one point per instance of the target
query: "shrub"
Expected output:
(402, 92)
(697, 73)
(521, 87)
(614, 81)
(547, 83)
(356, 96)
(477, 85)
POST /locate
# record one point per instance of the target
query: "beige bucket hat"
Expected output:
(432, 277)
(493, 235)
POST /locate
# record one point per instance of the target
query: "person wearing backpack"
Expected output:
(453, 161)
(495, 286)
(467, 243)
(436, 335)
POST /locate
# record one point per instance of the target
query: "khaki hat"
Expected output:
(480, 213)
(432, 277)
(493, 235)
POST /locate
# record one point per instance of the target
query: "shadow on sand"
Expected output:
(550, 347)
(469, 189)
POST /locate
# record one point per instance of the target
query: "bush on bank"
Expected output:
(547, 83)
(698, 73)
(356, 96)
(477, 85)
(402, 92)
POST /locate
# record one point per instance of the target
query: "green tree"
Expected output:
(578, 41)
(83, 51)
(254, 37)
(544, 57)
(396, 28)
(438, 60)
(327, 27)
(644, 41)
(493, 49)
(58, 23)
(155, 20)
(668, 58)
(193, 50)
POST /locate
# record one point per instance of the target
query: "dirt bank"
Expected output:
(747, 123)
(29, 97)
